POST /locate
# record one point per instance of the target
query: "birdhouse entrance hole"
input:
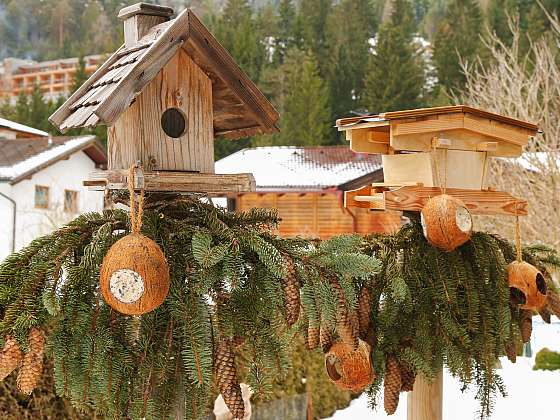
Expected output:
(174, 122)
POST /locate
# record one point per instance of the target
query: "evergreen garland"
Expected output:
(228, 275)
(433, 309)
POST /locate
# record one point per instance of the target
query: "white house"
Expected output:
(41, 184)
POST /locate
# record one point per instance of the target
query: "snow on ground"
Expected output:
(532, 394)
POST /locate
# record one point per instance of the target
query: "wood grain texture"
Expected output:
(168, 181)
(318, 215)
(136, 26)
(413, 198)
(137, 135)
(425, 402)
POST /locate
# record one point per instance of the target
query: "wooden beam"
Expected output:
(359, 142)
(172, 181)
(413, 198)
(425, 402)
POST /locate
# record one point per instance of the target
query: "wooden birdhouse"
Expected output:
(427, 151)
(165, 95)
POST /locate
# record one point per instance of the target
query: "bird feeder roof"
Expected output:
(240, 109)
(461, 127)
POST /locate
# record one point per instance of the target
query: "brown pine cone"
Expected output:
(346, 321)
(291, 293)
(364, 309)
(32, 368)
(226, 375)
(545, 315)
(392, 385)
(10, 357)
(511, 350)
(326, 338)
(408, 377)
(553, 302)
(312, 337)
(525, 324)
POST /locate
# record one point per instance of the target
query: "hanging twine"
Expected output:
(136, 208)
(518, 235)
(443, 185)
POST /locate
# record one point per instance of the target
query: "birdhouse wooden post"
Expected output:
(165, 94)
(427, 152)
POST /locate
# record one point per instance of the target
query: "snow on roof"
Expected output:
(532, 394)
(15, 165)
(286, 167)
(4, 123)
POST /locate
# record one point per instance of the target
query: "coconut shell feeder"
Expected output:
(435, 161)
(349, 369)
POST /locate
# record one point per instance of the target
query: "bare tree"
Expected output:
(526, 87)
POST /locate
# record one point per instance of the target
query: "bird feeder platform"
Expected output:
(425, 151)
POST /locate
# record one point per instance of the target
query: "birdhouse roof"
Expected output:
(240, 108)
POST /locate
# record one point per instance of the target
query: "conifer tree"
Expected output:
(236, 31)
(313, 16)
(286, 36)
(306, 116)
(457, 39)
(348, 53)
(395, 73)
(80, 76)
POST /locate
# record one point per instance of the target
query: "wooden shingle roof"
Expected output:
(240, 108)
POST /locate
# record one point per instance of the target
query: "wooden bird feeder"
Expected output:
(165, 95)
(430, 149)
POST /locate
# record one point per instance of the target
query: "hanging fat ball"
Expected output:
(348, 368)
(408, 377)
(392, 385)
(10, 357)
(346, 321)
(364, 309)
(291, 292)
(527, 285)
(553, 302)
(226, 377)
(446, 222)
(32, 367)
(526, 324)
(134, 275)
(313, 337)
(325, 338)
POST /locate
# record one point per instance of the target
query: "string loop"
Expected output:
(136, 208)
(518, 235)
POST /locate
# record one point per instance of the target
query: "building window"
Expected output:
(41, 197)
(71, 201)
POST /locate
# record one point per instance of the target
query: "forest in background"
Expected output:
(316, 60)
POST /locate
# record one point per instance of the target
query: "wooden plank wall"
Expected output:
(317, 214)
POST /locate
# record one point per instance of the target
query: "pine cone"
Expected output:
(553, 302)
(32, 368)
(291, 293)
(326, 338)
(408, 377)
(545, 315)
(312, 338)
(10, 357)
(525, 324)
(392, 384)
(346, 321)
(226, 374)
(364, 309)
(511, 350)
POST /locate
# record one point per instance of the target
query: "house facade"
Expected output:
(306, 185)
(41, 185)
